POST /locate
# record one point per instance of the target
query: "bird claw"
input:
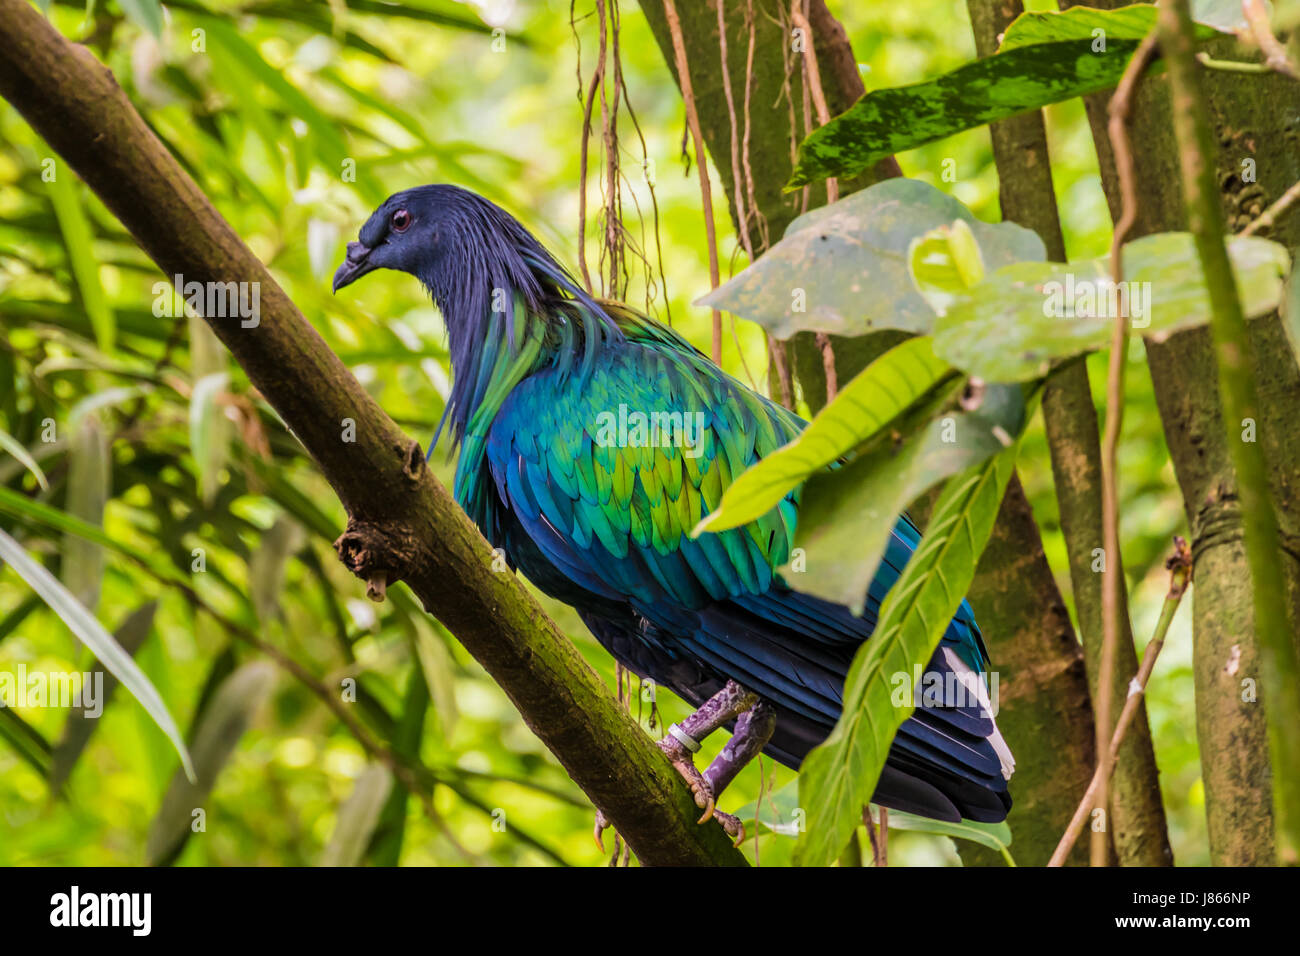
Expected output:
(602, 824)
(682, 762)
(732, 825)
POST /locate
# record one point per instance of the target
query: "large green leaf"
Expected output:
(1045, 58)
(995, 836)
(846, 516)
(777, 821)
(1022, 318)
(843, 268)
(839, 776)
(883, 390)
(91, 633)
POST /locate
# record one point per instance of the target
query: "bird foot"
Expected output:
(684, 763)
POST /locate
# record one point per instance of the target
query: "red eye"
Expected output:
(401, 219)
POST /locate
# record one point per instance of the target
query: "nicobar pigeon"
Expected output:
(539, 366)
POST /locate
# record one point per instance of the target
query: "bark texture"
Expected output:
(1138, 831)
(1256, 118)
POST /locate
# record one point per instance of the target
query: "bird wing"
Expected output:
(608, 475)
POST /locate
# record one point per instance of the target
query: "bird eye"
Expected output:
(401, 219)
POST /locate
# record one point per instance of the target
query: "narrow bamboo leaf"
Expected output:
(244, 57)
(78, 241)
(79, 726)
(89, 476)
(105, 398)
(843, 268)
(9, 623)
(207, 354)
(25, 740)
(357, 818)
(218, 730)
(266, 567)
(846, 516)
(439, 673)
(91, 633)
(209, 440)
(1048, 58)
(384, 846)
(1022, 318)
(20, 506)
(443, 13)
(146, 14)
(839, 776)
(16, 448)
(874, 397)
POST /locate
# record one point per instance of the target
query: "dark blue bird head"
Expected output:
(477, 262)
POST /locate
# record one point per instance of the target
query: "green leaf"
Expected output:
(1022, 318)
(944, 264)
(874, 397)
(1046, 58)
(439, 672)
(843, 268)
(91, 633)
(839, 776)
(16, 448)
(78, 241)
(79, 726)
(846, 516)
(1081, 23)
(26, 741)
(245, 58)
(89, 476)
(146, 14)
(267, 565)
(209, 435)
(357, 818)
(223, 721)
(1291, 314)
(995, 836)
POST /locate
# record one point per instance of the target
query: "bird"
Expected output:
(591, 440)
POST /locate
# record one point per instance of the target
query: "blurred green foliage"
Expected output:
(271, 107)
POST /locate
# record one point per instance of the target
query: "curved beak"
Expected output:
(354, 266)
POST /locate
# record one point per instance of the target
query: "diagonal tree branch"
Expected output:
(401, 520)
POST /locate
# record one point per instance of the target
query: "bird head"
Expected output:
(477, 262)
(402, 234)
(449, 238)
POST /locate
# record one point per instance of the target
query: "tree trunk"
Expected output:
(1046, 716)
(1138, 830)
(1253, 119)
